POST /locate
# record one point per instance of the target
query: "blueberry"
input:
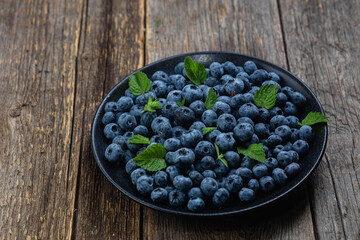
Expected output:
(271, 82)
(219, 89)
(174, 96)
(208, 186)
(279, 176)
(159, 195)
(247, 163)
(111, 107)
(250, 67)
(281, 99)
(237, 100)
(161, 178)
(143, 99)
(267, 184)
(275, 111)
(283, 158)
(205, 90)
(141, 130)
(184, 116)
(274, 77)
(179, 68)
(288, 146)
(157, 139)
(160, 75)
(125, 103)
(136, 111)
(292, 169)
(127, 122)
(211, 81)
(195, 177)
(127, 156)
(220, 169)
(145, 185)
(242, 74)
(245, 173)
(207, 163)
(249, 110)
(178, 81)
(178, 131)
(301, 147)
(277, 121)
(262, 130)
(226, 122)
(204, 148)
(254, 184)
(191, 93)
(246, 195)
(159, 88)
(287, 90)
(213, 135)
(182, 183)
(271, 163)
(147, 118)
(130, 166)
(209, 118)
(197, 126)
(112, 130)
(184, 157)
(170, 157)
(172, 171)
(169, 188)
(128, 93)
(225, 99)
(198, 107)
(170, 88)
(225, 141)
(230, 68)
(221, 182)
(294, 156)
(254, 89)
(196, 204)
(294, 135)
(306, 133)
(243, 132)
(233, 159)
(220, 197)
(108, 117)
(191, 137)
(284, 132)
(236, 85)
(177, 198)
(216, 70)
(254, 140)
(172, 144)
(233, 183)
(209, 173)
(297, 98)
(293, 121)
(221, 108)
(260, 170)
(136, 174)
(113, 152)
(162, 127)
(195, 192)
(258, 77)
(245, 120)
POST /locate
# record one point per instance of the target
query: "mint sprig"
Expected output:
(151, 106)
(181, 103)
(152, 159)
(139, 83)
(139, 139)
(195, 71)
(211, 99)
(265, 97)
(220, 157)
(254, 151)
(207, 130)
(313, 118)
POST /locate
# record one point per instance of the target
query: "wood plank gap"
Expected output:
(283, 35)
(312, 211)
(108, 8)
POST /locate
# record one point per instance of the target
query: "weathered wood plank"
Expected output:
(322, 39)
(250, 27)
(39, 43)
(111, 46)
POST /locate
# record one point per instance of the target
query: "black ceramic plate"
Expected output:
(121, 180)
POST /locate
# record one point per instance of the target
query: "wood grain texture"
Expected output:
(111, 47)
(235, 26)
(322, 39)
(39, 43)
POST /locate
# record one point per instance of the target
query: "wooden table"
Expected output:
(59, 58)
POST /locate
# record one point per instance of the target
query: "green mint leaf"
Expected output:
(207, 130)
(195, 71)
(211, 99)
(152, 158)
(181, 103)
(151, 106)
(265, 97)
(223, 160)
(139, 83)
(314, 118)
(139, 139)
(254, 151)
(217, 150)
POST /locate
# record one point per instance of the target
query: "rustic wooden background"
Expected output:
(59, 58)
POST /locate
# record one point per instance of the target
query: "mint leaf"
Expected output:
(254, 151)
(195, 71)
(211, 99)
(181, 103)
(265, 97)
(152, 158)
(207, 130)
(139, 139)
(139, 83)
(314, 118)
(220, 156)
(151, 106)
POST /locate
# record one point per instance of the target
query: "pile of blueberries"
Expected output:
(193, 176)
